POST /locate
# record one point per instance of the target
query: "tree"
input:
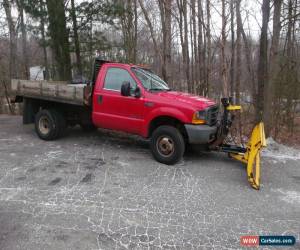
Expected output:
(165, 16)
(183, 29)
(232, 62)
(36, 10)
(152, 33)
(223, 56)
(208, 38)
(13, 70)
(274, 66)
(186, 58)
(238, 51)
(20, 5)
(59, 38)
(290, 91)
(262, 72)
(128, 19)
(248, 56)
(76, 38)
(195, 58)
(43, 39)
(201, 51)
(165, 53)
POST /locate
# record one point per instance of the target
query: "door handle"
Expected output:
(99, 99)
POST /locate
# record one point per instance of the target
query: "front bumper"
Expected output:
(200, 134)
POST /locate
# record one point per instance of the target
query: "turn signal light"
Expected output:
(197, 119)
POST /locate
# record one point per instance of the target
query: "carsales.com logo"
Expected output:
(270, 240)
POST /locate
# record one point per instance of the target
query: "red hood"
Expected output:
(198, 102)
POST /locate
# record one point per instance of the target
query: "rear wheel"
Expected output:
(49, 124)
(167, 145)
(62, 124)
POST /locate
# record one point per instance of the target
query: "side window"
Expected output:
(115, 77)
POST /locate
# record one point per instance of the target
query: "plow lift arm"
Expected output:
(249, 155)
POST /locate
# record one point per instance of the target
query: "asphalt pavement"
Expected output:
(103, 190)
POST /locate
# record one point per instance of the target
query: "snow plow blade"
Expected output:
(251, 154)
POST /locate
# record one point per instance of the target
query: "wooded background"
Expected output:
(246, 49)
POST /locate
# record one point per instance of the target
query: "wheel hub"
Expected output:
(165, 145)
(44, 125)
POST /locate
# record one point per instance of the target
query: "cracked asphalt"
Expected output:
(104, 191)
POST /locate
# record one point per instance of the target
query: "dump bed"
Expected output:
(57, 91)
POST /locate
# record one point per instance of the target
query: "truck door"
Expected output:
(112, 110)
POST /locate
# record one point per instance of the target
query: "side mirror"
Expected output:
(137, 92)
(125, 89)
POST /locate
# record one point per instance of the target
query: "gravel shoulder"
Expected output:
(103, 190)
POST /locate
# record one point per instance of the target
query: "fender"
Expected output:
(164, 111)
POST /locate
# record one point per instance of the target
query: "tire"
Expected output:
(62, 124)
(167, 145)
(49, 124)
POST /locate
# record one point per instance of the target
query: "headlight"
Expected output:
(199, 117)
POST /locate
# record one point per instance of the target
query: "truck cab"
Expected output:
(133, 99)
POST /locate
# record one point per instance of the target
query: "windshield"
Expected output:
(149, 80)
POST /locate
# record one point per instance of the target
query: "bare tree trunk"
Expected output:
(249, 62)
(76, 38)
(1, 102)
(290, 65)
(165, 14)
(135, 30)
(183, 29)
(223, 55)
(44, 45)
(262, 72)
(201, 51)
(274, 64)
(232, 62)
(195, 48)
(12, 40)
(180, 24)
(208, 38)
(13, 68)
(20, 5)
(192, 60)
(238, 53)
(238, 71)
(156, 48)
(186, 46)
(10, 105)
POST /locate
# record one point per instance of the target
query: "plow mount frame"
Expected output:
(249, 155)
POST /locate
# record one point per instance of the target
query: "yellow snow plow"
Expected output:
(250, 155)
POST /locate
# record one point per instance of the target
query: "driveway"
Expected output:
(104, 191)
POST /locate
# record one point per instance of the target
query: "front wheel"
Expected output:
(167, 145)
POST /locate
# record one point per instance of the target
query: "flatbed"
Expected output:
(57, 91)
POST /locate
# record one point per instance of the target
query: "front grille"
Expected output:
(212, 115)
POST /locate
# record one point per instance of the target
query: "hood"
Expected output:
(198, 102)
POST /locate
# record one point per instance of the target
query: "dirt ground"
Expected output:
(104, 191)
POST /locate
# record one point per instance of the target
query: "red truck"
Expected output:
(121, 97)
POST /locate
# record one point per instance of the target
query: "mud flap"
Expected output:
(251, 154)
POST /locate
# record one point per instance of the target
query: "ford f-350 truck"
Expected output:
(122, 97)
